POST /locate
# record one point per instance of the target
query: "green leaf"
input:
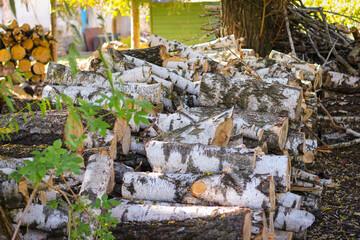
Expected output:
(13, 8)
(104, 197)
(57, 143)
(107, 205)
(9, 103)
(53, 204)
(73, 54)
(25, 118)
(16, 126)
(114, 202)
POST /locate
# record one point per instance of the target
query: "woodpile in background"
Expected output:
(25, 48)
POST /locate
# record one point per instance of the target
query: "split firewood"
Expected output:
(259, 226)
(237, 225)
(276, 98)
(296, 143)
(293, 220)
(196, 158)
(278, 166)
(215, 130)
(137, 146)
(342, 82)
(99, 176)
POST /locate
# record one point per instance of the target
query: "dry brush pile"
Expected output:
(224, 154)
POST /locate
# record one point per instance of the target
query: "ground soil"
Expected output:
(339, 213)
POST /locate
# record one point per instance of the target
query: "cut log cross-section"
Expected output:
(17, 52)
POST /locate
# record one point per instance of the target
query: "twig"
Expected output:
(338, 57)
(25, 212)
(331, 119)
(258, 76)
(314, 46)
(328, 56)
(314, 135)
(208, 34)
(345, 144)
(289, 33)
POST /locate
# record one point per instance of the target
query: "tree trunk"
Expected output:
(135, 24)
(247, 19)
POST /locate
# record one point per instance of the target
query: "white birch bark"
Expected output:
(135, 75)
(342, 82)
(293, 220)
(196, 158)
(170, 187)
(278, 166)
(165, 73)
(295, 143)
(42, 217)
(218, 43)
(167, 84)
(288, 199)
(251, 95)
(150, 92)
(126, 212)
(235, 188)
(215, 130)
(99, 177)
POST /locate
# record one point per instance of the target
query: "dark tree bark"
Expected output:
(253, 19)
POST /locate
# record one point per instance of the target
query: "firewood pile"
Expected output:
(22, 45)
(224, 154)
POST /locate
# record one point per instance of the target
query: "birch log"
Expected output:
(167, 84)
(10, 197)
(150, 92)
(342, 82)
(236, 225)
(196, 158)
(288, 199)
(234, 188)
(218, 43)
(249, 95)
(295, 143)
(58, 74)
(42, 217)
(168, 187)
(127, 212)
(215, 130)
(156, 55)
(38, 130)
(293, 220)
(135, 75)
(278, 166)
(99, 177)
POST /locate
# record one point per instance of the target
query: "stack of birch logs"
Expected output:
(223, 156)
(21, 45)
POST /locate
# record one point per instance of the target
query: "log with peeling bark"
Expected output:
(42, 217)
(251, 95)
(215, 130)
(196, 158)
(235, 225)
(167, 84)
(293, 220)
(99, 176)
(336, 81)
(279, 166)
(150, 92)
(180, 82)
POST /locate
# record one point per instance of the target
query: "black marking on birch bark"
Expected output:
(131, 187)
